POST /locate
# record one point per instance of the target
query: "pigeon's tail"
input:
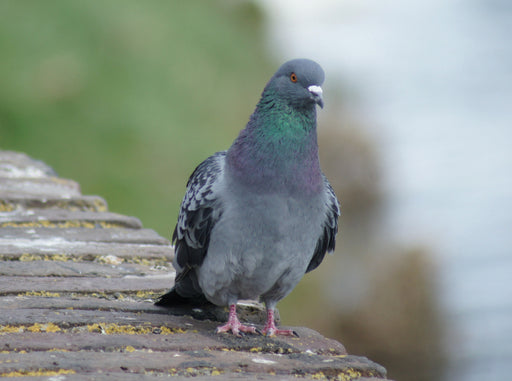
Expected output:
(173, 299)
(185, 293)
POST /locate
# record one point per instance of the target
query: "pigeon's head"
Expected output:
(298, 82)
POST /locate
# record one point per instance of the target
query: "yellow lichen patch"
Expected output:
(49, 327)
(153, 262)
(53, 257)
(76, 224)
(194, 372)
(36, 373)
(113, 329)
(349, 374)
(6, 207)
(30, 257)
(318, 376)
(142, 261)
(62, 225)
(109, 259)
(12, 328)
(110, 225)
(17, 225)
(170, 331)
(46, 224)
(46, 294)
(100, 205)
(100, 295)
(130, 349)
(147, 294)
(57, 258)
(29, 224)
(96, 328)
(36, 327)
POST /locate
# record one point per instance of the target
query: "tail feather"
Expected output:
(185, 293)
(173, 299)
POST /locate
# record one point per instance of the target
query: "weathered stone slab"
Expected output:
(89, 337)
(39, 187)
(19, 165)
(24, 202)
(75, 269)
(195, 362)
(77, 303)
(70, 317)
(193, 347)
(128, 283)
(150, 376)
(117, 235)
(96, 341)
(25, 249)
(249, 311)
(67, 219)
(79, 320)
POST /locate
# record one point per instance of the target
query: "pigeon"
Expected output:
(256, 217)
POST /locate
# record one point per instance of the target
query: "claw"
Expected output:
(237, 329)
(234, 325)
(271, 329)
(280, 332)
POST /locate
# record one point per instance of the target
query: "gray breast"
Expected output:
(262, 242)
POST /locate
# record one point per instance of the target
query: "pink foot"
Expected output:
(270, 328)
(234, 324)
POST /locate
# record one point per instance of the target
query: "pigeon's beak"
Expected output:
(316, 92)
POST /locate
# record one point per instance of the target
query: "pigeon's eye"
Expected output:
(293, 77)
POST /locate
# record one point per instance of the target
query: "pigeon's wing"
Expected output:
(199, 212)
(327, 240)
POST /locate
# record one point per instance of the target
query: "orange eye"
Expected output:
(293, 77)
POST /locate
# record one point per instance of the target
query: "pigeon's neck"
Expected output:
(278, 150)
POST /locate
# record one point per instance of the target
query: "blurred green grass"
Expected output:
(127, 97)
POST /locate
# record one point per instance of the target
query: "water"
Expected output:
(434, 78)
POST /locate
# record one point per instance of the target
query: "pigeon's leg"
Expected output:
(234, 324)
(270, 328)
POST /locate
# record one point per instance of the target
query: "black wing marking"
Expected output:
(199, 211)
(327, 240)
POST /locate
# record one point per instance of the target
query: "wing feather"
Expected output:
(200, 210)
(327, 240)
